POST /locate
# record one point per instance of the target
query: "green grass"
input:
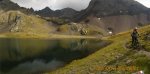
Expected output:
(110, 55)
(80, 29)
(115, 53)
(57, 21)
(145, 40)
(15, 21)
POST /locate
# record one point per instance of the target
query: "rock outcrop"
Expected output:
(16, 21)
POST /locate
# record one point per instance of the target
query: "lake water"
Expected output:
(26, 56)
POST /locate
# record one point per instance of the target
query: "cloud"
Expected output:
(59, 4)
(40, 4)
(53, 4)
(36, 66)
(75, 4)
(145, 2)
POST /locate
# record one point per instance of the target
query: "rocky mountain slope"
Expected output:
(101, 8)
(100, 17)
(18, 22)
(15, 21)
(115, 15)
(110, 15)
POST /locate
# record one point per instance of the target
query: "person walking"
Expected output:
(135, 36)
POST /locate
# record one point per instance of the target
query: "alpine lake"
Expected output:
(29, 56)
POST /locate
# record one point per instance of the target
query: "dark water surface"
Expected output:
(26, 56)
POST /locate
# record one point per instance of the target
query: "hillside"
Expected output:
(112, 15)
(115, 15)
(8, 5)
(17, 22)
(116, 54)
(96, 21)
(101, 8)
(109, 15)
(16, 19)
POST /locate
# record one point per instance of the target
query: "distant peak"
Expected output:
(47, 8)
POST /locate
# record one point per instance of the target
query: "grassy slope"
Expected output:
(106, 56)
(28, 24)
(17, 24)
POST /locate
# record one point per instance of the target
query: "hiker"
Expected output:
(135, 36)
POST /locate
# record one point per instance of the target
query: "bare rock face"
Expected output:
(104, 8)
(117, 15)
(115, 7)
(119, 23)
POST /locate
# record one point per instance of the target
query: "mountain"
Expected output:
(18, 22)
(15, 19)
(7, 5)
(46, 12)
(100, 17)
(101, 8)
(64, 13)
(97, 8)
(114, 15)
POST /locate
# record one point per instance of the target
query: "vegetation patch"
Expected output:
(111, 55)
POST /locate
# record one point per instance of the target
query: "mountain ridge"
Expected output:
(103, 8)
(107, 15)
(65, 13)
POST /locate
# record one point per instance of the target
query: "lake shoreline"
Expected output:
(103, 57)
(45, 36)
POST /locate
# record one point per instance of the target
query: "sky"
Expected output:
(59, 4)
(53, 4)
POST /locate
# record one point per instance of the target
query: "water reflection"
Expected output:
(36, 67)
(18, 56)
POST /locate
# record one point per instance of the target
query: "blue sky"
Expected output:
(59, 4)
